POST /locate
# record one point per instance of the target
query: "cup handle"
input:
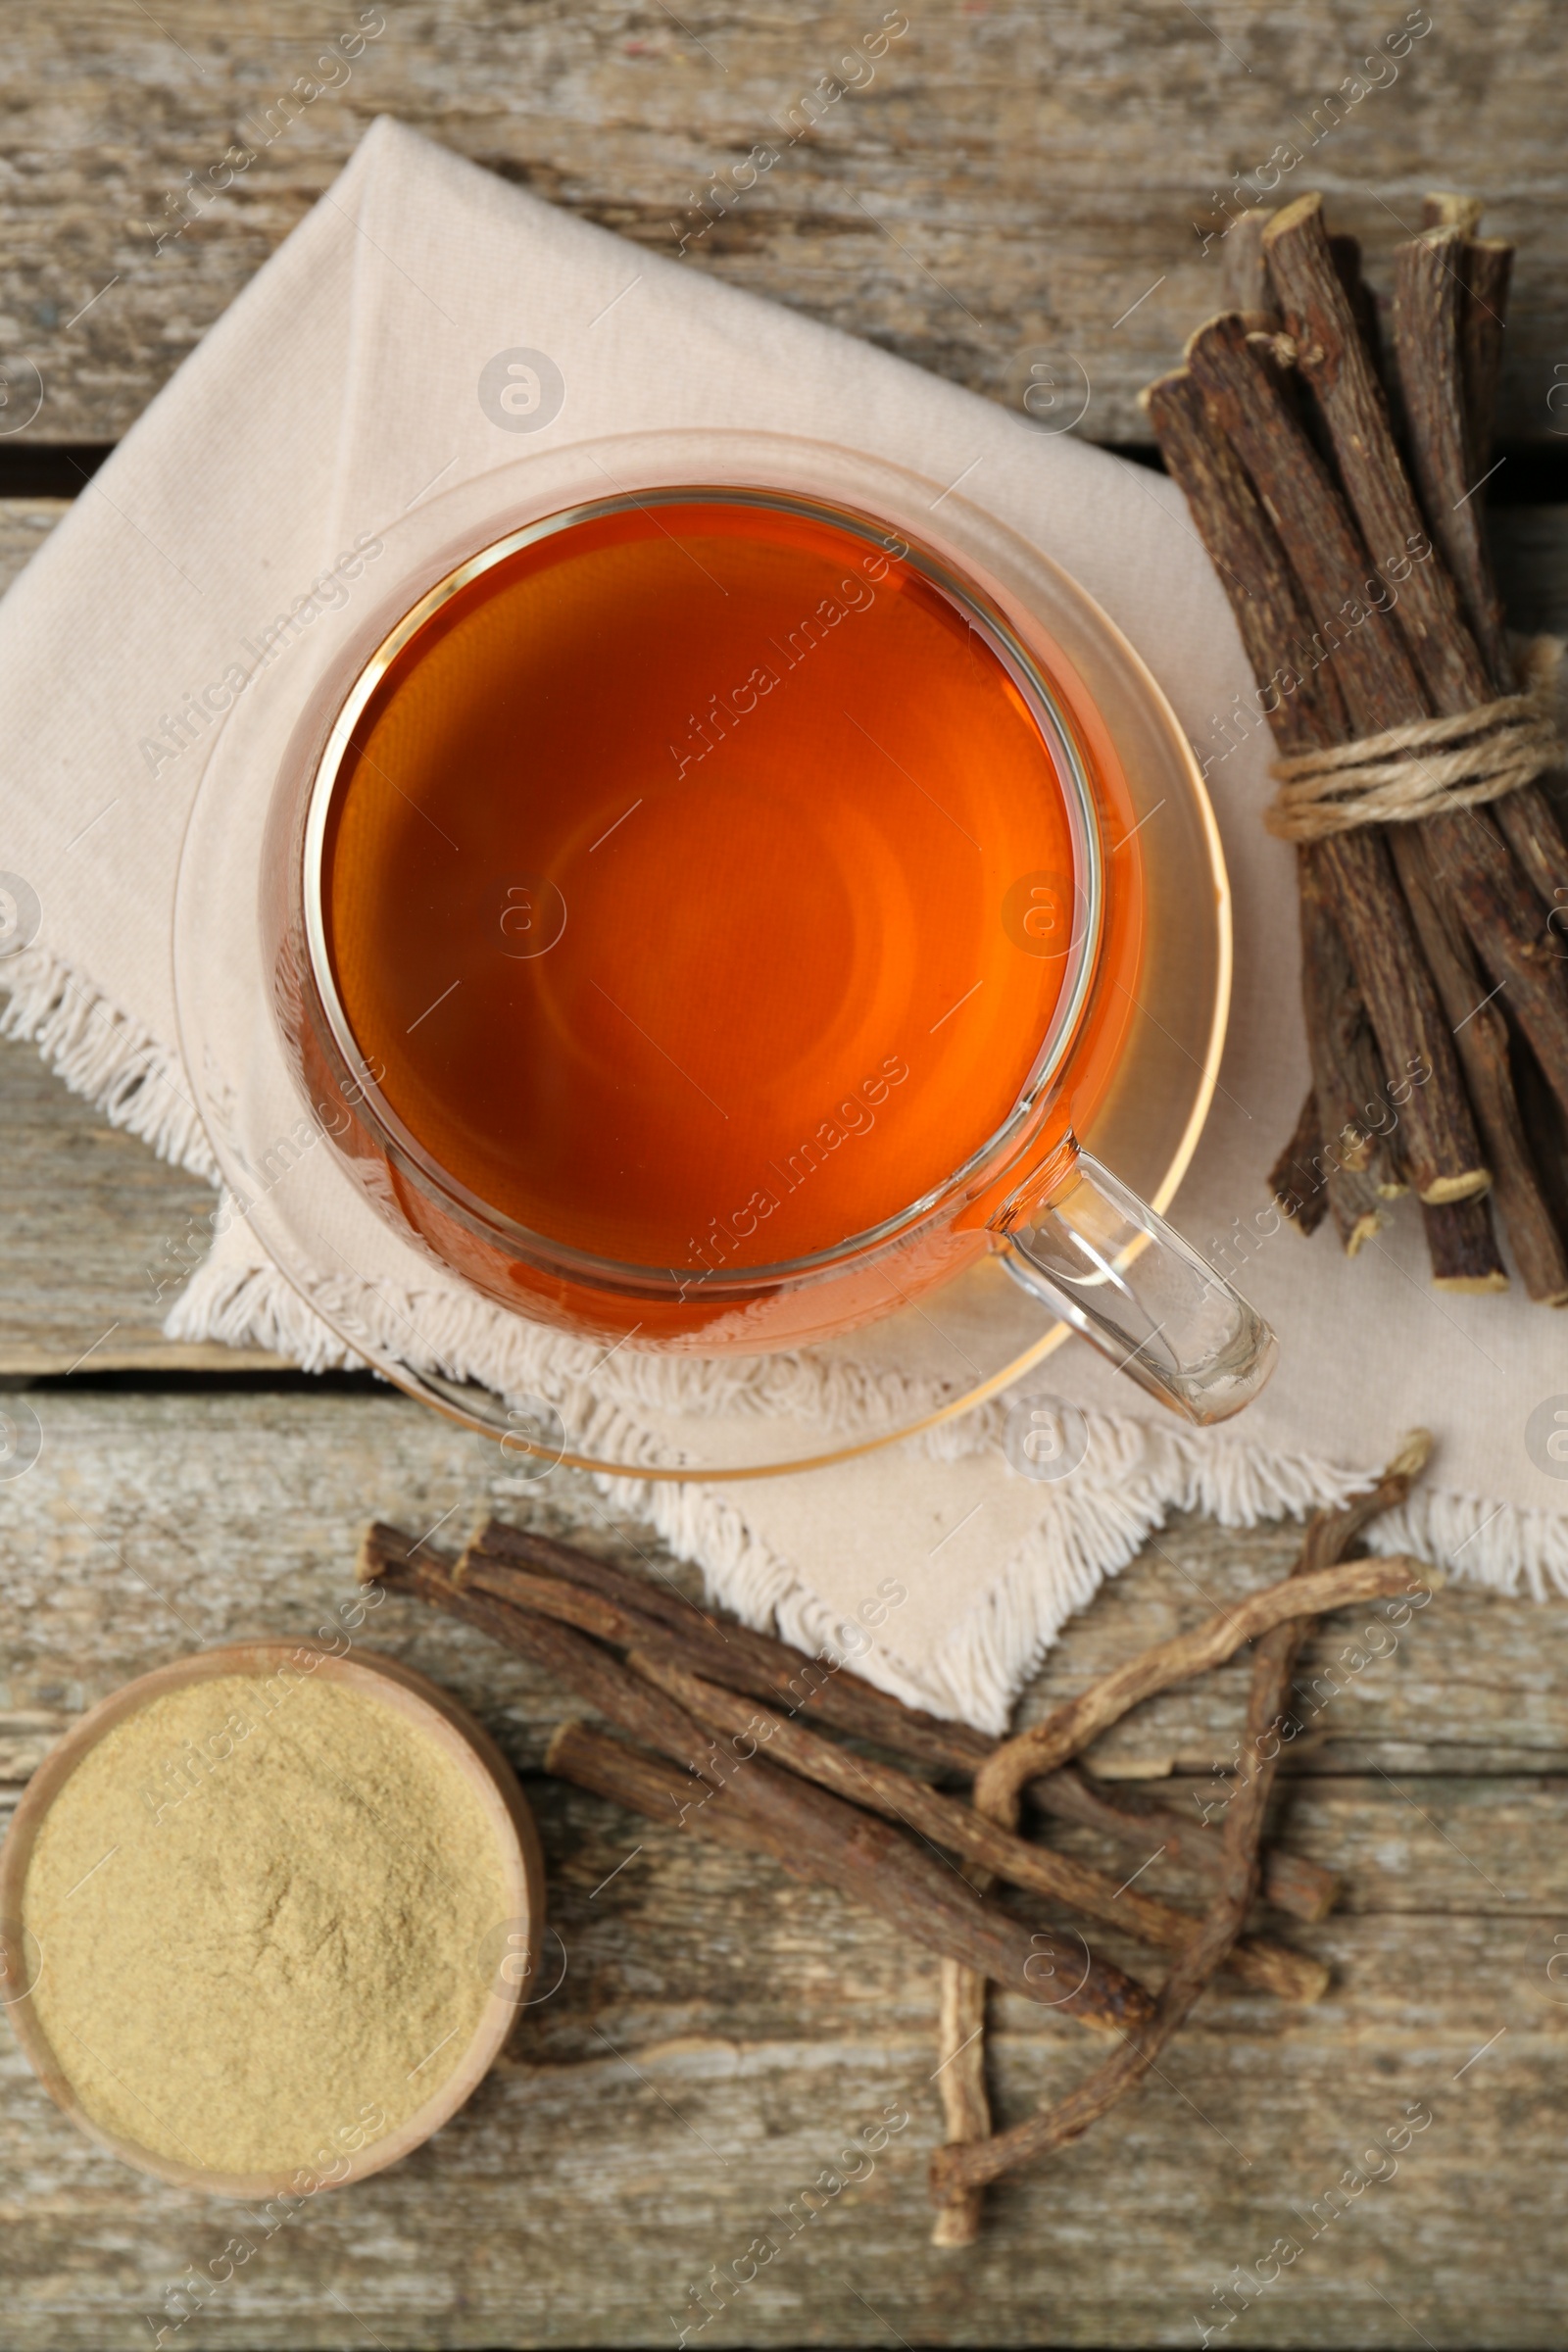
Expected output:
(1167, 1320)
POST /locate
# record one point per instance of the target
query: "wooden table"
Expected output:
(1018, 189)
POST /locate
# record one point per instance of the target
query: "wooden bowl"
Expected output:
(482, 1765)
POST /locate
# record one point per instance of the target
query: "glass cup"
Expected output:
(1068, 1230)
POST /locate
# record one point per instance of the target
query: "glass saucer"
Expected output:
(624, 1412)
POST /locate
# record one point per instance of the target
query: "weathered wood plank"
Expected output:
(616, 2160)
(993, 202)
(1006, 189)
(150, 1523)
(720, 2032)
(25, 524)
(95, 1236)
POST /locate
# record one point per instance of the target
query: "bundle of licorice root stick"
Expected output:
(740, 1738)
(1336, 469)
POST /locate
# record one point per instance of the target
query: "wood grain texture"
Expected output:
(1018, 188)
(153, 1522)
(96, 1237)
(721, 2033)
(1019, 199)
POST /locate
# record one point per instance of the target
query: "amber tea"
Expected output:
(698, 883)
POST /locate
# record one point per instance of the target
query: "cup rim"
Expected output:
(277, 729)
(1069, 761)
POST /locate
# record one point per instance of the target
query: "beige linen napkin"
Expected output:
(346, 385)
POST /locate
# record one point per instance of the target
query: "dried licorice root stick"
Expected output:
(1462, 1248)
(1272, 621)
(954, 2169)
(1460, 1237)
(1290, 1882)
(1355, 1101)
(798, 1824)
(1429, 300)
(1442, 1149)
(1450, 301)
(965, 2102)
(1247, 286)
(1347, 252)
(731, 1654)
(601, 1598)
(597, 1597)
(1337, 364)
(959, 1828)
(1071, 1727)
(1319, 534)
(1348, 1084)
(972, 2164)
(1485, 267)
(651, 1785)
(1319, 1575)
(1479, 908)
(1498, 902)
(1356, 925)
(1296, 1179)
(1245, 550)
(1431, 304)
